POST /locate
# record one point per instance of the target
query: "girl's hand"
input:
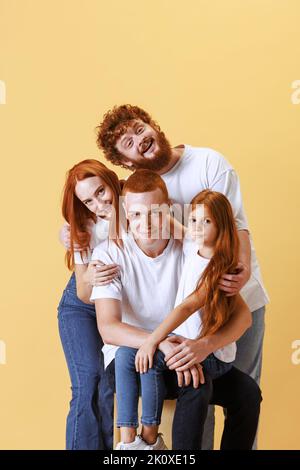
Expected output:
(144, 357)
(64, 237)
(100, 274)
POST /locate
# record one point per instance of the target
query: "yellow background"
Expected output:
(213, 73)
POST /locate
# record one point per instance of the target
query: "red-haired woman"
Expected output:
(202, 309)
(91, 209)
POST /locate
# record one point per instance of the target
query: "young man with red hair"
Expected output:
(133, 305)
(130, 138)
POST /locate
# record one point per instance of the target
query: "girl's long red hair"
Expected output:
(217, 307)
(78, 215)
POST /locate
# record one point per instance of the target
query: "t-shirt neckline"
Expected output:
(177, 164)
(140, 252)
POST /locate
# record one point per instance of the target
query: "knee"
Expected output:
(251, 398)
(85, 387)
(159, 360)
(125, 356)
(202, 395)
(255, 396)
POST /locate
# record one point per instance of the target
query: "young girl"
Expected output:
(213, 253)
(90, 198)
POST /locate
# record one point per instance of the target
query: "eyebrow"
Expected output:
(123, 139)
(88, 199)
(134, 126)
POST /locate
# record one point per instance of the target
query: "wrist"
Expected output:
(246, 265)
(151, 340)
(208, 343)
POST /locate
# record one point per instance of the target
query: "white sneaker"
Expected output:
(158, 445)
(137, 444)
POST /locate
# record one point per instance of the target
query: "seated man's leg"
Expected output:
(209, 429)
(241, 396)
(106, 405)
(190, 414)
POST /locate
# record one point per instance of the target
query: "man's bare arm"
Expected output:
(111, 328)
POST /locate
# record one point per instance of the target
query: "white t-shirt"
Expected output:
(99, 232)
(202, 168)
(146, 287)
(193, 268)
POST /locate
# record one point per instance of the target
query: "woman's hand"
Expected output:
(233, 283)
(144, 357)
(188, 353)
(184, 378)
(100, 274)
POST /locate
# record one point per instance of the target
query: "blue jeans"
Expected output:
(90, 418)
(230, 388)
(128, 382)
(152, 385)
(248, 360)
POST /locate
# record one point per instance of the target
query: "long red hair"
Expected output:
(78, 215)
(217, 307)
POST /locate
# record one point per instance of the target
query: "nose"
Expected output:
(139, 143)
(146, 223)
(100, 205)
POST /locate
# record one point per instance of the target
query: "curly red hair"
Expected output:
(115, 123)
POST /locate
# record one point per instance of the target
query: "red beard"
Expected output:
(162, 155)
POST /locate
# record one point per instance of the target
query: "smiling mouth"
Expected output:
(106, 210)
(148, 146)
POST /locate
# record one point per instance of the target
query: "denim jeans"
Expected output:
(128, 384)
(248, 360)
(90, 418)
(230, 388)
(215, 367)
(152, 386)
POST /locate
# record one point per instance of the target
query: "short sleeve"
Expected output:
(112, 290)
(82, 258)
